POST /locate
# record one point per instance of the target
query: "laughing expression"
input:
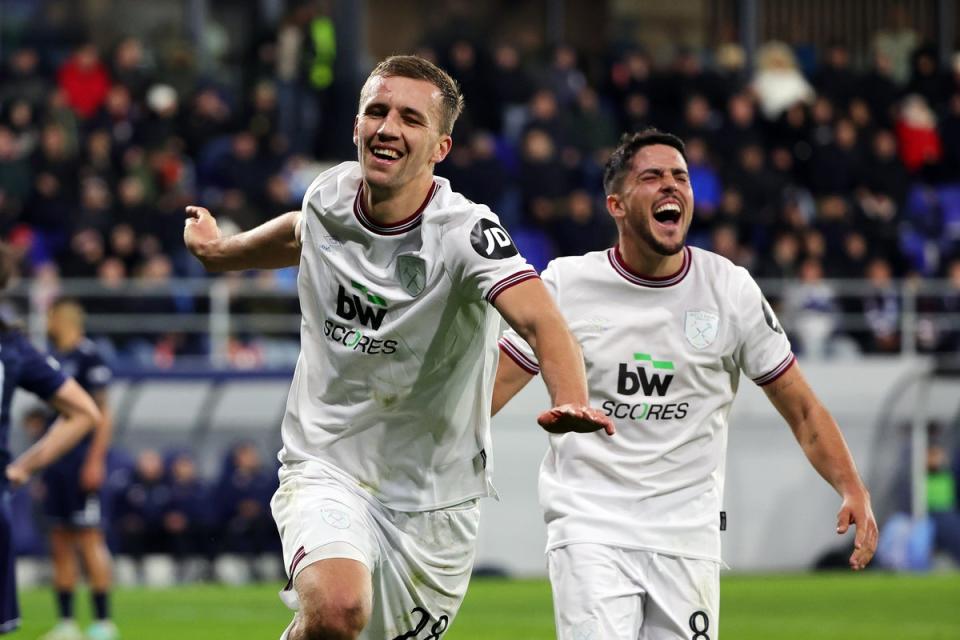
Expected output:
(655, 203)
(397, 132)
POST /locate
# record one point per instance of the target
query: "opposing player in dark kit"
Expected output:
(21, 365)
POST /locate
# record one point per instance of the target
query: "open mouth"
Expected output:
(667, 213)
(385, 154)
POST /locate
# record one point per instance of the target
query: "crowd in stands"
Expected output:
(806, 166)
(158, 503)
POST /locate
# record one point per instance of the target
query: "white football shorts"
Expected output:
(602, 592)
(420, 562)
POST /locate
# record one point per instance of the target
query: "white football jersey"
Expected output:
(398, 343)
(663, 359)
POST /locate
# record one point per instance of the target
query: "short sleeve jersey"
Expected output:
(398, 343)
(86, 365)
(21, 365)
(663, 359)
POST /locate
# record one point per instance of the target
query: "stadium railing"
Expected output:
(210, 318)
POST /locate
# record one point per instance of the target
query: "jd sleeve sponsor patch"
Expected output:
(490, 240)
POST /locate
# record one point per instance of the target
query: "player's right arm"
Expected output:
(272, 245)
(78, 414)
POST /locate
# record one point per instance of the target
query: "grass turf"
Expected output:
(871, 606)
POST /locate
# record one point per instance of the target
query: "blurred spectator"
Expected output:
(130, 66)
(512, 86)
(812, 310)
(140, 507)
(778, 82)
(739, 129)
(85, 80)
(783, 262)
(542, 177)
(591, 127)
(896, 41)
(919, 142)
(243, 499)
(15, 179)
(564, 77)
(881, 309)
(24, 78)
(186, 517)
(926, 78)
(879, 89)
(835, 79)
(208, 118)
(583, 225)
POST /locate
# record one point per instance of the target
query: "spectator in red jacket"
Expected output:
(85, 80)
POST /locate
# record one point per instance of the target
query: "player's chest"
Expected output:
(636, 343)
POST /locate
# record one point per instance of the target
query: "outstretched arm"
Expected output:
(821, 441)
(529, 309)
(272, 245)
(78, 415)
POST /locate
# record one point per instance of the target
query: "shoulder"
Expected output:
(453, 210)
(569, 267)
(332, 185)
(718, 269)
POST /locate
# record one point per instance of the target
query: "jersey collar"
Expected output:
(395, 228)
(628, 274)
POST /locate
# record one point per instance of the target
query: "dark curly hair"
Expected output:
(619, 163)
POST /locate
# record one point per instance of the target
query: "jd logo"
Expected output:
(350, 307)
(491, 241)
(628, 382)
(769, 316)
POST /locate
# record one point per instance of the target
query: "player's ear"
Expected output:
(615, 206)
(443, 148)
(356, 131)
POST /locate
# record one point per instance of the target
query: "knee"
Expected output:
(342, 618)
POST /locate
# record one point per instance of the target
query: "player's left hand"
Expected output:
(577, 418)
(92, 474)
(856, 511)
(17, 476)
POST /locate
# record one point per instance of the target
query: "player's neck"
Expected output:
(387, 206)
(642, 260)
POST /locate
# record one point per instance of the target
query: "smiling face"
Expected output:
(654, 204)
(398, 131)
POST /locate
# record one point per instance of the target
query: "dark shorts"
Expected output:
(66, 504)
(9, 610)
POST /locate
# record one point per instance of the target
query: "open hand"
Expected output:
(856, 511)
(576, 418)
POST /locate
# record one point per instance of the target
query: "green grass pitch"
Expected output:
(870, 606)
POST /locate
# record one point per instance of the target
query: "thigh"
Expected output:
(66, 503)
(423, 572)
(683, 598)
(595, 595)
(318, 520)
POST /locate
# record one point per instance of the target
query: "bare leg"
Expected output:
(336, 599)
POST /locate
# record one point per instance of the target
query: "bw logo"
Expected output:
(350, 307)
(629, 383)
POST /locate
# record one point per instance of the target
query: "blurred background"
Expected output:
(823, 139)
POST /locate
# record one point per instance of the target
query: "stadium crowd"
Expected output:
(159, 503)
(807, 167)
